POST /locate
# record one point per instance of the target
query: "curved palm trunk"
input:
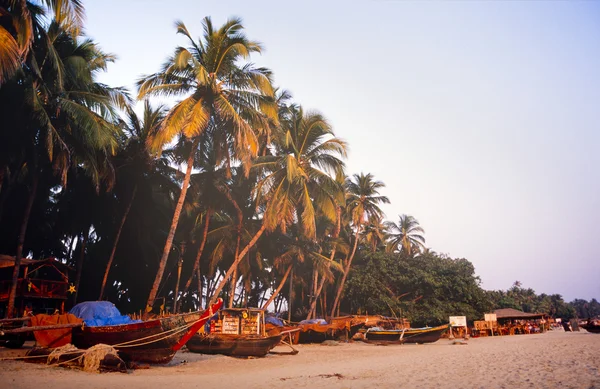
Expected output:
(20, 243)
(179, 264)
(171, 235)
(290, 295)
(240, 220)
(2, 173)
(232, 268)
(114, 248)
(86, 236)
(235, 273)
(196, 269)
(345, 275)
(199, 281)
(276, 292)
(313, 305)
(7, 189)
(336, 233)
(232, 285)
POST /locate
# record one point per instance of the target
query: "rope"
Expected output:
(131, 343)
(175, 331)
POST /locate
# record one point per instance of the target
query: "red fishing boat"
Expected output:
(152, 341)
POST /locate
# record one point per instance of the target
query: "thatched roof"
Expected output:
(510, 313)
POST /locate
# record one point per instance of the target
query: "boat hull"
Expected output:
(233, 345)
(428, 335)
(152, 341)
(318, 333)
(594, 329)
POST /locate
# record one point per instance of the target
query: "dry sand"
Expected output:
(552, 360)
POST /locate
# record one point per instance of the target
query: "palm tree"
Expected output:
(222, 97)
(363, 201)
(71, 117)
(135, 161)
(406, 236)
(295, 180)
(18, 28)
(375, 233)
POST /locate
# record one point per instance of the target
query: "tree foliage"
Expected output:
(123, 198)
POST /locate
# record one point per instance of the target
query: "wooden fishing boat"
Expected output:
(152, 341)
(592, 326)
(239, 332)
(343, 327)
(410, 335)
(233, 345)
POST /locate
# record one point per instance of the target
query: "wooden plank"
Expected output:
(40, 328)
(16, 319)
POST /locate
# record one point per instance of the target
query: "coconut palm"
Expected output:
(133, 163)
(70, 120)
(363, 201)
(405, 236)
(375, 233)
(19, 21)
(297, 180)
(222, 97)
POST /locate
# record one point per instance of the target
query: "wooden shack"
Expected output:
(43, 285)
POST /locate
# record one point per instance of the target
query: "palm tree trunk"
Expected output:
(276, 292)
(7, 189)
(196, 270)
(179, 264)
(336, 233)
(86, 236)
(345, 275)
(232, 285)
(171, 235)
(2, 173)
(199, 280)
(240, 220)
(20, 243)
(234, 278)
(324, 307)
(236, 263)
(70, 252)
(290, 295)
(313, 305)
(114, 248)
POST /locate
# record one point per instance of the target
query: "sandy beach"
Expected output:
(552, 360)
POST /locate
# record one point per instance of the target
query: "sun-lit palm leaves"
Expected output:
(294, 182)
(298, 177)
(363, 199)
(222, 98)
(375, 233)
(221, 95)
(406, 235)
(19, 20)
(76, 116)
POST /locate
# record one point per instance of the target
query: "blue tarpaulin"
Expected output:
(314, 321)
(100, 313)
(274, 320)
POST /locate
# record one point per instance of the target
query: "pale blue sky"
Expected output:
(482, 117)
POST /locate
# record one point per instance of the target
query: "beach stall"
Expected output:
(512, 321)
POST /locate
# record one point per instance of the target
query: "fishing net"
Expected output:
(60, 351)
(94, 356)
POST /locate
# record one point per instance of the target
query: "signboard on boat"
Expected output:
(458, 321)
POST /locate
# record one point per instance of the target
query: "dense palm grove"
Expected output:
(235, 191)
